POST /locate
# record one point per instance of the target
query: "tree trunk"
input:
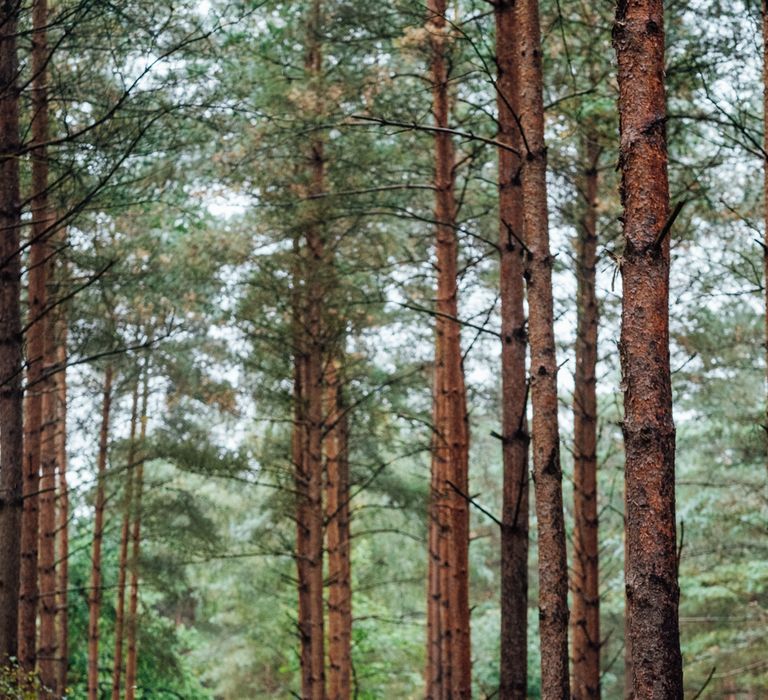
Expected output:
(309, 424)
(451, 443)
(312, 485)
(515, 439)
(11, 392)
(309, 343)
(553, 570)
(649, 431)
(629, 692)
(62, 521)
(338, 539)
(38, 521)
(94, 602)
(437, 674)
(47, 654)
(585, 623)
(132, 659)
(303, 525)
(434, 670)
(117, 667)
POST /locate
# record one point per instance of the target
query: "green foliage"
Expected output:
(16, 685)
(184, 261)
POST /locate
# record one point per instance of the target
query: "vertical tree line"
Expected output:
(58, 359)
(450, 452)
(137, 489)
(35, 518)
(525, 258)
(547, 472)
(38, 503)
(585, 622)
(125, 534)
(311, 358)
(279, 278)
(320, 425)
(513, 682)
(337, 515)
(96, 593)
(649, 432)
(43, 626)
(11, 397)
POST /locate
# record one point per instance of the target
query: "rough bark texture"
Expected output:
(585, 616)
(434, 673)
(47, 653)
(41, 457)
(30, 518)
(450, 512)
(515, 439)
(553, 570)
(132, 657)
(62, 513)
(649, 431)
(94, 599)
(338, 540)
(125, 531)
(438, 666)
(309, 473)
(308, 402)
(311, 520)
(11, 394)
(629, 692)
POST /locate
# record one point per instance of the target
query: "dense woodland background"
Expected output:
(177, 149)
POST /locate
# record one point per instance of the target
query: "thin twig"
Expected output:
(470, 136)
(471, 500)
(671, 220)
(706, 683)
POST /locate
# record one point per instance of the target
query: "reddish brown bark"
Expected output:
(312, 509)
(649, 432)
(94, 599)
(305, 565)
(585, 620)
(629, 693)
(39, 340)
(125, 531)
(48, 641)
(62, 515)
(515, 439)
(11, 392)
(33, 420)
(553, 570)
(310, 358)
(437, 675)
(338, 539)
(309, 419)
(434, 674)
(449, 510)
(132, 657)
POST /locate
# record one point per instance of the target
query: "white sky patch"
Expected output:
(227, 204)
